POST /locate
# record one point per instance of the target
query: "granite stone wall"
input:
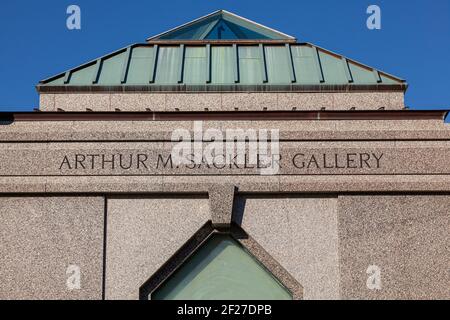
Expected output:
(220, 101)
(351, 216)
(46, 241)
(405, 236)
(329, 243)
(301, 233)
(143, 233)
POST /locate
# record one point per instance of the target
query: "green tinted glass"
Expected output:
(221, 270)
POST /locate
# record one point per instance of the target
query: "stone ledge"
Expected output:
(162, 130)
(201, 184)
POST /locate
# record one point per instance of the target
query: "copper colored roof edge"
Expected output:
(6, 117)
(231, 88)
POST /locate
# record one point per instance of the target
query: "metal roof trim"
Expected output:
(217, 12)
(259, 25)
(227, 115)
(223, 41)
(91, 62)
(187, 24)
(223, 88)
(356, 62)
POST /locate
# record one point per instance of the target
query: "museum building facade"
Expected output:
(223, 159)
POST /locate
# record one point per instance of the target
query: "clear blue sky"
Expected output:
(414, 42)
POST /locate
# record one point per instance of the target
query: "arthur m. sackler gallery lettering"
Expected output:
(148, 161)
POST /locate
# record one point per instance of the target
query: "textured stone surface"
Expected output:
(407, 237)
(22, 184)
(250, 184)
(83, 101)
(226, 101)
(304, 101)
(368, 101)
(397, 100)
(417, 183)
(301, 234)
(97, 184)
(126, 130)
(153, 158)
(138, 101)
(143, 233)
(162, 130)
(204, 183)
(40, 237)
(221, 198)
(47, 102)
(17, 159)
(193, 102)
(249, 101)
